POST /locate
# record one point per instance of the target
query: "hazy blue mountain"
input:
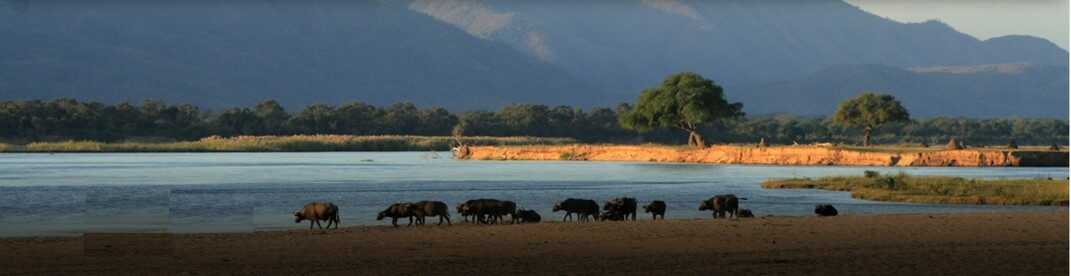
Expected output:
(633, 44)
(230, 53)
(469, 54)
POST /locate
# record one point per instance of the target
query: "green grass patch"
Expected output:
(937, 189)
(297, 143)
(573, 156)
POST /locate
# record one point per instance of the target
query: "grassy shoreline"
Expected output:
(296, 143)
(936, 189)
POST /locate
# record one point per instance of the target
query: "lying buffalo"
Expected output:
(396, 211)
(622, 206)
(431, 209)
(528, 216)
(583, 208)
(745, 213)
(721, 204)
(612, 216)
(317, 211)
(825, 210)
(656, 208)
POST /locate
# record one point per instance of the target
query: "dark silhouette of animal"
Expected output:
(624, 206)
(487, 210)
(721, 205)
(583, 208)
(465, 212)
(396, 211)
(528, 216)
(825, 210)
(476, 208)
(612, 216)
(424, 209)
(503, 208)
(656, 208)
(316, 211)
(745, 213)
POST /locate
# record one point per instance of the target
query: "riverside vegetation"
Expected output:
(284, 144)
(24, 122)
(936, 189)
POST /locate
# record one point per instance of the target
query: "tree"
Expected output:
(685, 101)
(237, 121)
(273, 117)
(359, 118)
(869, 111)
(316, 119)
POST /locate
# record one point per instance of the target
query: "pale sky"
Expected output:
(982, 18)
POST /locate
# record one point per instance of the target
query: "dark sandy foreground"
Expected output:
(978, 244)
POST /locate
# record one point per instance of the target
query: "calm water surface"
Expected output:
(69, 194)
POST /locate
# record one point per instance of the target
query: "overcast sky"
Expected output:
(982, 18)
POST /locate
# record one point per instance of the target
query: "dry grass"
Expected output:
(297, 143)
(937, 189)
(913, 148)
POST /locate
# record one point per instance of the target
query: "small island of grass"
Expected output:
(936, 189)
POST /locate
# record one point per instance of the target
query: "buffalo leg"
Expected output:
(394, 221)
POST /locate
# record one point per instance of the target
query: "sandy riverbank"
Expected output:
(952, 244)
(777, 155)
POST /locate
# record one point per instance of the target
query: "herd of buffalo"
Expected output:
(492, 211)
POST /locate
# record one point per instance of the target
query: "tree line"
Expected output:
(68, 119)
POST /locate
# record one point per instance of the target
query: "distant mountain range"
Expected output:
(975, 91)
(776, 56)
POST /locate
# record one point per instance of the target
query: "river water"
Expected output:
(70, 194)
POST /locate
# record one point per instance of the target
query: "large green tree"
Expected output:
(869, 111)
(684, 101)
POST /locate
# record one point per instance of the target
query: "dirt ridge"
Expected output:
(781, 155)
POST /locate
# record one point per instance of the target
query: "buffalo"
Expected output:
(745, 213)
(487, 210)
(528, 216)
(622, 206)
(317, 211)
(612, 216)
(466, 211)
(504, 207)
(656, 208)
(431, 209)
(721, 205)
(583, 208)
(825, 210)
(398, 210)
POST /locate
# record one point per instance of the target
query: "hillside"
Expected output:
(477, 54)
(631, 44)
(998, 90)
(240, 52)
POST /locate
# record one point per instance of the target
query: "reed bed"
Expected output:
(297, 143)
(937, 189)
